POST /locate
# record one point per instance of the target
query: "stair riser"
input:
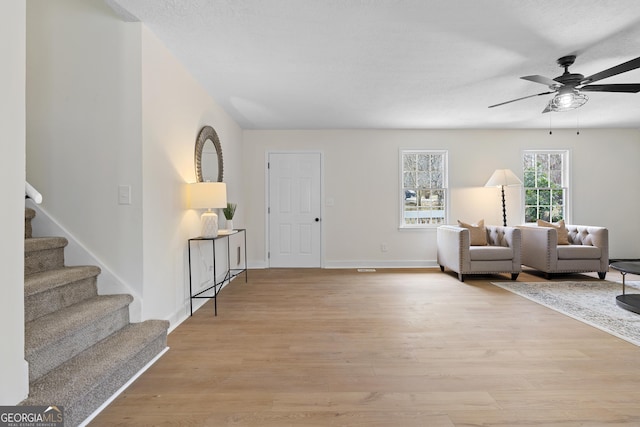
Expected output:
(48, 259)
(28, 231)
(45, 359)
(29, 214)
(55, 299)
(86, 404)
(80, 347)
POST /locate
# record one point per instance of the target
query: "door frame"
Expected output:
(267, 199)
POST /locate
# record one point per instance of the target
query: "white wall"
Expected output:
(13, 368)
(175, 108)
(84, 126)
(108, 105)
(361, 176)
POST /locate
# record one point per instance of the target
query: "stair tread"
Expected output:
(33, 244)
(50, 279)
(82, 348)
(77, 376)
(41, 332)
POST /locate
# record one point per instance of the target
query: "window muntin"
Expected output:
(545, 185)
(423, 188)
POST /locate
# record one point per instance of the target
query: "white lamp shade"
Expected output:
(503, 177)
(207, 195)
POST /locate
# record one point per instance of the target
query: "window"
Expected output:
(424, 188)
(546, 185)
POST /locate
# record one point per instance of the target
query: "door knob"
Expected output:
(317, 219)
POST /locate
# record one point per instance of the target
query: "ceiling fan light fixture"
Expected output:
(568, 100)
(563, 100)
(568, 86)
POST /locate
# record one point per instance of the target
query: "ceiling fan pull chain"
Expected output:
(550, 133)
(577, 122)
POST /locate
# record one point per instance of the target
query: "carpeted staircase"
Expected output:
(80, 346)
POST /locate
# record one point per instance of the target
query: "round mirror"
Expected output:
(208, 156)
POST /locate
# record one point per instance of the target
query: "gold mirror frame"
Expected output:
(207, 133)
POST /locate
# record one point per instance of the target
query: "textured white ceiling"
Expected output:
(389, 64)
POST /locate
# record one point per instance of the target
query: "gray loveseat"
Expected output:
(500, 255)
(587, 251)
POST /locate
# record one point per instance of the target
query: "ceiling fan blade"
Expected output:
(518, 99)
(547, 108)
(625, 87)
(622, 68)
(542, 80)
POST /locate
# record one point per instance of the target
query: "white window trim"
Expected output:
(567, 178)
(401, 224)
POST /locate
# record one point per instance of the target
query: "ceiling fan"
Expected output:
(569, 87)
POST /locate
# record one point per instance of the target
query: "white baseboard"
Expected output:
(364, 264)
(184, 312)
(123, 388)
(382, 264)
(258, 265)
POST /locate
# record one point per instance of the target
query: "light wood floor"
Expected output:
(390, 348)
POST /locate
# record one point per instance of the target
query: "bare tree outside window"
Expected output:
(424, 188)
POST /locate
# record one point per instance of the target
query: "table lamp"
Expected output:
(503, 178)
(208, 195)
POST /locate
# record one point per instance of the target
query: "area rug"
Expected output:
(593, 303)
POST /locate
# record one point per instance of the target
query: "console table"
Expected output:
(213, 290)
(629, 302)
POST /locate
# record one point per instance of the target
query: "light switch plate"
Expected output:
(124, 194)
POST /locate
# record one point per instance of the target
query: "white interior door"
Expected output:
(294, 210)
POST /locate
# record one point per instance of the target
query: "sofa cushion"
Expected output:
(490, 253)
(579, 252)
(563, 233)
(477, 232)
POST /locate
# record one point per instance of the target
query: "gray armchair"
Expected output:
(587, 251)
(500, 255)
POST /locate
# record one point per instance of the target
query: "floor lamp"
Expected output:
(503, 178)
